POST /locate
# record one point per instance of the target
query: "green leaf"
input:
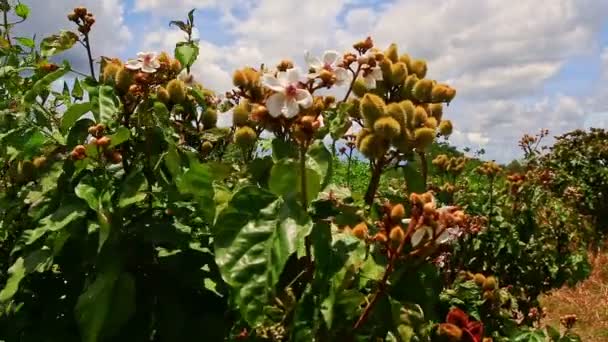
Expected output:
(57, 43)
(413, 179)
(27, 42)
(340, 121)
(198, 182)
(72, 114)
(16, 274)
(43, 84)
(132, 189)
(255, 235)
(282, 150)
(22, 10)
(304, 322)
(106, 304)
(88, 193)
(186, 53)
(121, 135)
(107, 104)
(68, 212)
(285, 180)
(553, 333)
(77, 92)
(320, 160)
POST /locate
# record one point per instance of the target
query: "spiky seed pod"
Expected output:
(426, 197)
(362, 134)
(177, 90)
(405, 58)
(436, 110)
(387, 69)
(239, 79)
(450, 331)
(360, 231)
(245, 137)
(359, 88)
(164, 58)
(431, 122)
(424, 137)
(418, 67)
(124, 79)
(381, 237)
(409, 109)
(372, 107)
(387, 127)
(373, 146)
(404, 143)
(39, 161)
(422, 90)
(206, 147)
(392, 53)
(479, 279)
(397, 213)
(397, 234)
(240, 113)
(353, 111)
(284, 65)
(209, 118)
(420, 116)
(396, 111)
(110, 71)
(450, 94)
(442, 93)
(163, 95)
(253, 77)
(445, 127)
(490, 284)
(175, 66)
(408, 86)
(398, 73)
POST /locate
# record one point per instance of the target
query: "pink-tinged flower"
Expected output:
(186, 77)
(372, 75)
(329, 63)
(146, 61)
(288, 97)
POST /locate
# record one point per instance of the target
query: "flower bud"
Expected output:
(424, 137)
(162, 95)
(397, 213)
(398, 73)
(245, 137)
(418, 67)
(371, 107)
(360, 231)
(397, 234)
(72, 17)
(80, 11)
(240, 113)
(445, 127)
(387, 127)
(490, 284)
(209, 118)
(124, 79)
(177, 90)
(422, 90)
(479, 279)
(284, 65)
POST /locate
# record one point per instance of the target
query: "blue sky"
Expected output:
(518, 66)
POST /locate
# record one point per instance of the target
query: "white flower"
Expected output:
(146, 61)
(288, 97)
(186, 77)
(329, 63)
(372, 75)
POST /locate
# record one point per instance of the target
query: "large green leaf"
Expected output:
(285, 180)
(43, 84)
(22, 10)
(132, 189)
(35, 261)
(68, 212)
(107, 104)
(72, 114)
(57, 43)
(198, 182)
(121, 135)
(106, 304)
(255, 235)
(320, 160)
(186, 53)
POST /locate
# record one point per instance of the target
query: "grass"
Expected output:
(588, 301)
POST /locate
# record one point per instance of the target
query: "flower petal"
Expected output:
(282, 77)
(147, 68)
(370, 82)
(342, 76)
(133, 64)
(291, 108)
(293, 75)
(303, 98)
(272, 83)
(312, 61)
(275, 104)
(377, 74)
(155, 63)
(330, 57)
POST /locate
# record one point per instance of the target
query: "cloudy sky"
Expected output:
(518, 66)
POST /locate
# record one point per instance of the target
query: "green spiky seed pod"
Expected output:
(387, 69)
(398, 73)
(371, 107)
(177, 91)
(240, 113)
(359, 88)
(209, 118)
(442, 93)
(490, 284)
(124, 79)
(373, 146)
(424, 137)
(362, 134)
(422, 90)
(408, 86)
(445, 127)
(405, 58)
(162, 95)
(418, 67)
(420, 116)
(396, 111)
(431, 122)
(245, 137)
(353, 111)
(110, 71)
(409, 109)
(392, 53)
(387, 127)
(436, 110)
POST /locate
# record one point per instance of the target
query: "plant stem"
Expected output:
(7, 26)
(87, 45)
(352, 82)
(490, 204)
(424, 168)
(350, 159)
(303, 184)
(374, 181)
